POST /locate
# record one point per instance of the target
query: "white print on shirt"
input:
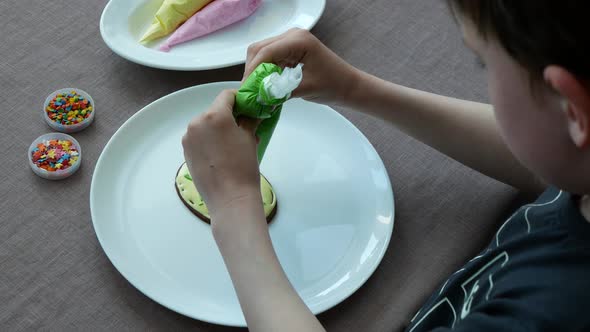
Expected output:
(439, 307)
(446, 282)
(484, 277)
(474, 292)
(459, 271)
(473, 282)
(526, 217)
(467, 303)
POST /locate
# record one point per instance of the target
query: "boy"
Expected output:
(535, 273)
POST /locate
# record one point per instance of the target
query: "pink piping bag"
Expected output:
(217, 15)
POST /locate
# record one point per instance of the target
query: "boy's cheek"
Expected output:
(513, 109)
(529, 128)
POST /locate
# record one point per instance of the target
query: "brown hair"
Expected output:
(536, 33)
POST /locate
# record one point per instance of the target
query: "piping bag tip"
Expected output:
(164, 48)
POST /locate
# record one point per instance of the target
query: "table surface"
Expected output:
(53, 272)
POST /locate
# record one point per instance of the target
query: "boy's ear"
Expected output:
(575, 105)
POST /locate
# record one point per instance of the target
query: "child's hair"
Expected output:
(536, 33)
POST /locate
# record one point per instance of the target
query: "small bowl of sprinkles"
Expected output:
(68, 110)
(55, 156)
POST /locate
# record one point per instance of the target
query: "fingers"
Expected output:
(253, 49)
(248, 124)
(224, 102)
(281, 53)
(221, 111)
(220, 116)
(286, 49)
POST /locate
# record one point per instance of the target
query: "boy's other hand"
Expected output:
(221, 156)
(326, 77)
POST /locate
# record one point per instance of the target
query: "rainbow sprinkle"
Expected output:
(54, 155)
(69, 108)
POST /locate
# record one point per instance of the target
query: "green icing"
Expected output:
(252, 100)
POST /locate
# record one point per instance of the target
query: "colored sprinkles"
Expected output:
(54, 155)
(68, 108)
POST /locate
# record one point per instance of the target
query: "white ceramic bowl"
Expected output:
(68, 128)
(58, 174)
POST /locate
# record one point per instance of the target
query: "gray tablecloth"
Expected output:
(53, 272)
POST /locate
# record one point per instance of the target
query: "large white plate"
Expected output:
(333, 225)
(123, 22)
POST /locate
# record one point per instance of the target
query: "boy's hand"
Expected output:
(221, 156)
(326, 77)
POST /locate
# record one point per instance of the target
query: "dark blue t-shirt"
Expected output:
(534, 276)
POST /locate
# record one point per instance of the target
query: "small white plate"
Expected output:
(334, 220)
(123, 22)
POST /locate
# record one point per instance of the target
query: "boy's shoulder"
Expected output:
(533, 276)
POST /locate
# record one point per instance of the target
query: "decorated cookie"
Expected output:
(192, 199)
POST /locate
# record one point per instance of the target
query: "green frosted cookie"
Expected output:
(192, 199)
